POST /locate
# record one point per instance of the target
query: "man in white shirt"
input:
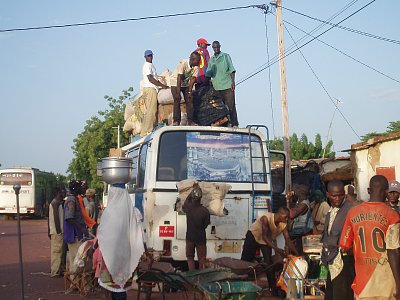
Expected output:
(150, 83)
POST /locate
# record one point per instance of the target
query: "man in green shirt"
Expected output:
(222, 72)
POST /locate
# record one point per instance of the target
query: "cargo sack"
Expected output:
(213, 195)
(209, 105)
(164, 96)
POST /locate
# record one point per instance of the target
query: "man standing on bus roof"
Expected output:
(222, 72)
(262, 236)
(57, 245)
(197, 220)
(74, 226)
(150, 84)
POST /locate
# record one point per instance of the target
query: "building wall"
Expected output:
(366, 162)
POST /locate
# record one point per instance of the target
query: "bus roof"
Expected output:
(161, 130)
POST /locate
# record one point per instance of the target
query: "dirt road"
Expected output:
(36, 265)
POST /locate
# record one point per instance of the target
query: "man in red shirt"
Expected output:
(372, 230)
(202, 45)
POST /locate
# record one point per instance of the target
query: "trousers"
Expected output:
(150, 100)
(56, 255)
(229, 99)
(201, 249)
(340, 287)
(176, 93)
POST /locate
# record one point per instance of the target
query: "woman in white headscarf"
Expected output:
(121, 242)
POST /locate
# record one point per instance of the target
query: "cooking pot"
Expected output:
(116, 169)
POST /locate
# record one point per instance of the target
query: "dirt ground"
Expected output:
(36, 265)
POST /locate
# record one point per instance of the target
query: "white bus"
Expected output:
(238, 157)
(35, 194)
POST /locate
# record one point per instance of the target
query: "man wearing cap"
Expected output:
(222, 72)
(150, 83)
(393, 195)
(202, 45)
(182, 80)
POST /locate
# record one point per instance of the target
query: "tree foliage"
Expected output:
(97, 137)
(393, 127)
(304, 149)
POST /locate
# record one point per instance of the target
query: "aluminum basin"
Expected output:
(116, 169)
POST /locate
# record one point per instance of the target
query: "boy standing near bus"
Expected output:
(197, 220)
(57, 245)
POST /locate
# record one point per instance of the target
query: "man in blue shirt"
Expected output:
(222, 72)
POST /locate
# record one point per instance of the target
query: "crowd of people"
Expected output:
(71, 218)
(360, 239)
(189, 76)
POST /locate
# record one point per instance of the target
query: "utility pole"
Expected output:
(284, 102)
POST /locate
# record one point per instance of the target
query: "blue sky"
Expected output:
(53, 80)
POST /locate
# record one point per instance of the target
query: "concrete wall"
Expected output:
(365, 162)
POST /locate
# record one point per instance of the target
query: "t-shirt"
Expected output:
(371, 228)
(319, 212)
(186, 70)
(197, 220)
(204, 58)
(72, 210)
(274, 231)
(148, 69)
(220, 69)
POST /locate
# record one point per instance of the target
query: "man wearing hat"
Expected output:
(393, 195)
(150, 83)
(202, 45)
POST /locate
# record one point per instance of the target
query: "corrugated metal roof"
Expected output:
(375, 140)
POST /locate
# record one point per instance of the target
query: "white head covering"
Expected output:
(120, 236)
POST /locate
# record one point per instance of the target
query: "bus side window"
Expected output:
(278, 172)
(142, 166)
(134, 154)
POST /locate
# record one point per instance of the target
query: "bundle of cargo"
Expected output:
(210, 108)
(213, 195)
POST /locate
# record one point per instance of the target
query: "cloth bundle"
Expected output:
(209, 106)
(212, 198)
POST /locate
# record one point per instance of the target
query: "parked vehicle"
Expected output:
(35, 194)
(238, 157)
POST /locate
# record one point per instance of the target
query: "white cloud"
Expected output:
(384, 94)
(160, 33)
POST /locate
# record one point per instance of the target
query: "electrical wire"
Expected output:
(128, 20)
(345, 54)
(321, 84)
(306, 43)
(275, 59)
(346, 28)
(269, 76)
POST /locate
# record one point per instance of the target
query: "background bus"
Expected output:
(35, 194)
(238, 157)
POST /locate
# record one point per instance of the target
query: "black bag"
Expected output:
(209, 105)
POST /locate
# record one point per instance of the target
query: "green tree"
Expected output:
(393, 127)
(303, 149)
(97, 137)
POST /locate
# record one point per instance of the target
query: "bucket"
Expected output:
(116, 169)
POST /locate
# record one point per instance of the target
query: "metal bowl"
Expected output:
(116, 169)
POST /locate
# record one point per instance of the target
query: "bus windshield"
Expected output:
(210, 156)
(11, 178)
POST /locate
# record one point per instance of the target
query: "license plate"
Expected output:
(166, 231)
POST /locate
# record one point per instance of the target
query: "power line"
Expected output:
(322, 85)
(346, 28)
(306, 43)
(129, 19)
(345, 54)
(275, 59)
